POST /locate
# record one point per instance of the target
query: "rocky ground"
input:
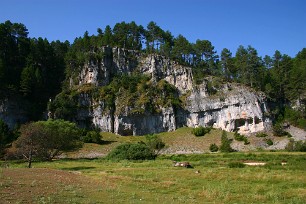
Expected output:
(297, 133)
(279, 143)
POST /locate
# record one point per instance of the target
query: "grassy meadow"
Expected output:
(214, 178)
(211, 180)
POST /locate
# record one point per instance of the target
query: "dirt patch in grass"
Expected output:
(24, 185)
(255, 163)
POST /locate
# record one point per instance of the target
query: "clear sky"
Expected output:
(266, 25)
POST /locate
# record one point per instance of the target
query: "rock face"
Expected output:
(231, 107)
(144, 124)
(13, 112)
(159, 68)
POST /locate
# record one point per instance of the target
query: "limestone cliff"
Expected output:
(14, 110)
(214, 103)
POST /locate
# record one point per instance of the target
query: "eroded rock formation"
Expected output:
(231, 107)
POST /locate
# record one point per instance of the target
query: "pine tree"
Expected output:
(225, 143)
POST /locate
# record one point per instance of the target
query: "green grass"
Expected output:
(103, 181)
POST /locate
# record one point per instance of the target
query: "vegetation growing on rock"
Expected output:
(138, 93)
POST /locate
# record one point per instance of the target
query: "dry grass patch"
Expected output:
(23, 185)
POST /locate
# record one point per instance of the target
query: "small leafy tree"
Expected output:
(28, 144)
(225, 143)
(46, 139)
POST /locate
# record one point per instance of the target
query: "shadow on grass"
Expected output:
(103, 142)
(107, 142)
(78, 168)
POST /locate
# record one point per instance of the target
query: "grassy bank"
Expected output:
(178, 141)
(210, 181)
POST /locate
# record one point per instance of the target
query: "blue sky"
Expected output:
(266, 25)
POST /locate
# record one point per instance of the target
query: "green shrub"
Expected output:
(296, 146)
(236, 165)
(154, 142)
(295, 117)
(92, 136)
(201, 131)
(129, 151)
(261, 134)
(246, 142)
(301, 146)
(239, 137)
(269, 142)
(225, 143)
(213, 147)
(301, 123)
(278, 130)
(211, 89)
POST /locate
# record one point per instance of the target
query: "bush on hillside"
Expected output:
(92, 136)
(213, 147)
(239, 137)
(130, 151)
(278, 130)
(225, 143)
(201, 131)
(154, 142)
(296, 146)
(295, 117)
(269, 142)
(261, 134)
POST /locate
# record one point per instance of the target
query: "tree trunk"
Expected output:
(30, 159)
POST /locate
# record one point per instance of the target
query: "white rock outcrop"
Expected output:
(233, 107)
